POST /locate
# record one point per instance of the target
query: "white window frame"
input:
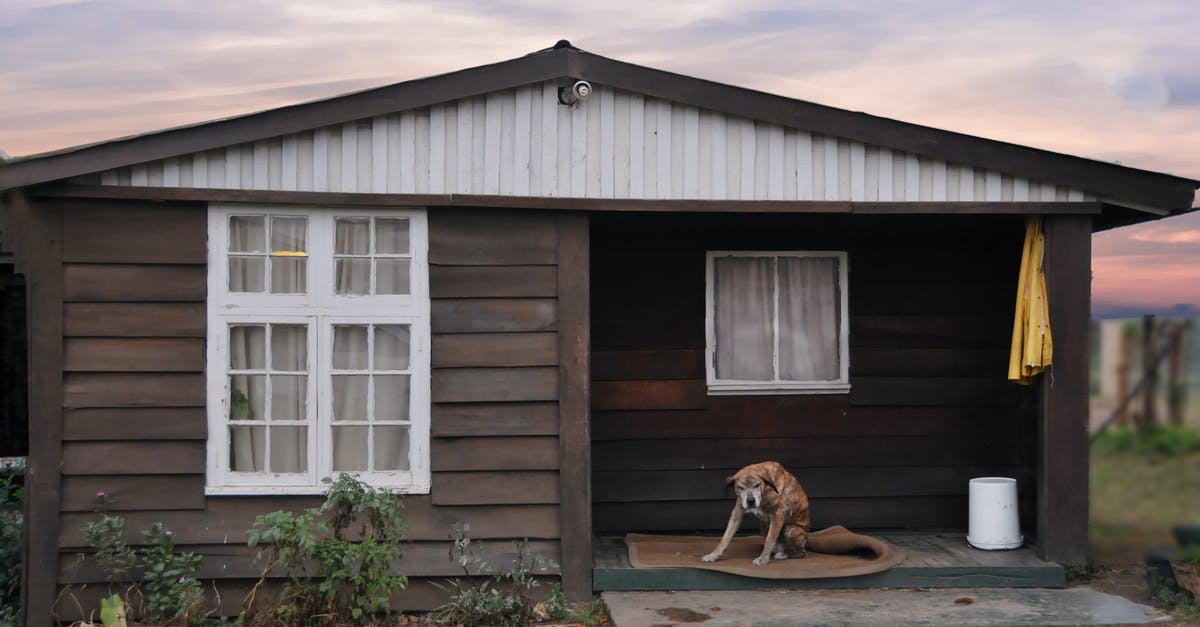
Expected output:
(320, 309)
(717, 386)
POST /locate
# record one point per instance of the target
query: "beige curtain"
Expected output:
(809, 318)
(744, 297)
(271, 397)
(364, 400)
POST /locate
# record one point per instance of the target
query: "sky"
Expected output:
(1106, 79)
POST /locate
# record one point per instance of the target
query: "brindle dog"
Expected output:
(774, 496)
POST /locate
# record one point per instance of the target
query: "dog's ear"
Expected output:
(729, 481)
(768, 481)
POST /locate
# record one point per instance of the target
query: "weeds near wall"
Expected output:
(154, 580)
(12, 534)
(332, 576)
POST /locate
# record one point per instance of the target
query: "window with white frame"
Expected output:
(777, 323)
(318, 348)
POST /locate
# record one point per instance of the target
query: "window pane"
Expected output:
(350, 448)
(247, 234)
(391, 236)
(352, 276)
(247, 347)
(349, 347)
(392, 276)
(289, 449)
(289, 275)
(353, 237)
(744, 299)
(289, 398)
(391, 397)
(247, 449)
(809, 319)
(391, 448)
(391, 347)
(288, 235)
(247, 397)
(350, 397)
(247, 274)
(289, 347)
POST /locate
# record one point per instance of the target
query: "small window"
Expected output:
(777, 323)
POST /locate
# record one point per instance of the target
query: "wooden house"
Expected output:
(519, 306)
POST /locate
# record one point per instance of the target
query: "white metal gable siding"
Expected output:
(616, 144)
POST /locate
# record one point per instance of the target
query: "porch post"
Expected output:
(574, 384)
(1062, 518)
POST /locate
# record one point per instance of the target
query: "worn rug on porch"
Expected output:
(832, 552)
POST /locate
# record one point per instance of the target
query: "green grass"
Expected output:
(1136, 497)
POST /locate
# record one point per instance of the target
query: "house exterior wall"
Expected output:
(134, 426)
(616, 144)
(930, 315)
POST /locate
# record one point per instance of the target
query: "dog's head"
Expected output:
(751, 487)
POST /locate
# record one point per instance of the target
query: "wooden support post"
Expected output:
(574, 429)
(41, 246)
(1062, 516)
(1149, 416)
(1176, 383)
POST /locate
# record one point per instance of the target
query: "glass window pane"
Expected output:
(247, 234)
(391, 236)
(352, 276)
(289, 275)
(350, 397)
(391, 397)
(809, 319)
(247, 347)
(289, 397)
(744, 299)
(247, 449)
(391, 346)
(247, 274)
(289, 347)
(392, 276)
(350, 347)
(353, 236)
(350, 448)
(289, 449)
(391, 448)
(289, 234)
(247, 397)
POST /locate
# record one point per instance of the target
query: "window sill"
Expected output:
(741, 389)
(316, 490)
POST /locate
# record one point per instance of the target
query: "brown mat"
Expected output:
(832, 552)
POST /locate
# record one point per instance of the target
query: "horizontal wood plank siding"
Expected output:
(135, 426)
(616, 144)
(930, 306)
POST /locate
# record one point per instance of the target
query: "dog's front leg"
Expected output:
(735, 521)
(770, 540)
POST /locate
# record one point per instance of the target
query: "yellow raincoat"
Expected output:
(1032, 347)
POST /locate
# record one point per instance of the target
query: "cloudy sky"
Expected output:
(1107, 79)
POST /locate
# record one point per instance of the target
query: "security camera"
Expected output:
(575, 93)
(581, 90)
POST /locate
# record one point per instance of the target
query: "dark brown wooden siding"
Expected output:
(930, 306)
(134, 422)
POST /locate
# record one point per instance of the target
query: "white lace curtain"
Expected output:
(777, 318)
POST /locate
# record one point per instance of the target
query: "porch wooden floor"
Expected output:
(934, 560)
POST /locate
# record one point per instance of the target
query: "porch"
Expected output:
(933, 560)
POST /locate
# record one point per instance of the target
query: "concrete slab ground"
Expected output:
(795, 608)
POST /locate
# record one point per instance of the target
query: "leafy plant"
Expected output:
(333, 577)
(160, 582)
(503, 598)
(1171, 441)
(12, 533)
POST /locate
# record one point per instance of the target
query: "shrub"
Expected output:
(1171, 441)
(331, 578)
(12, 534)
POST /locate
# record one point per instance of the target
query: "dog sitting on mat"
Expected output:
(775, 497)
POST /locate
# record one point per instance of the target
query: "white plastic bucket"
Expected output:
(993, 520)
